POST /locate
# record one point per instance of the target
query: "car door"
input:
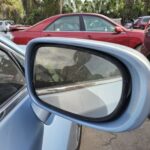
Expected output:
(100, 29)
(19, 127)
(65, 26)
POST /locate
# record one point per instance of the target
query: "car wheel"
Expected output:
(139, 48)
(78, 137)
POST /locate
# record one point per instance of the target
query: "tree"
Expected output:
(72, 6)
(9, 9)
(146, 9)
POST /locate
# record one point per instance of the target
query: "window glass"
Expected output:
(69, 23)
(73, 67)
(93, 23)
(146, 20)
(1, 23)
(11, 79)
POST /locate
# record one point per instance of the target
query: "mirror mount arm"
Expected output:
(43, 115)
(118, 29)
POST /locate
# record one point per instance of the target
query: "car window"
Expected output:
(69, 23)
(1, 23)
(146, 20)
(93, 23)
(11, 79)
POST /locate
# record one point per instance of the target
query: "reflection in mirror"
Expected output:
(76, 81)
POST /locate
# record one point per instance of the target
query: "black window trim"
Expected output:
(11, 102)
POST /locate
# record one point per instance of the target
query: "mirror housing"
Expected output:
(138, 105)
(118, 29)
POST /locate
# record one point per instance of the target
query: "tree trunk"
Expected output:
(61, 4)
(146, 7)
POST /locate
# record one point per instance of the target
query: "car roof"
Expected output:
(144, 17)
(13, 46)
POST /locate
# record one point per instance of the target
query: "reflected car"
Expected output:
(20, 128)
(85, 26)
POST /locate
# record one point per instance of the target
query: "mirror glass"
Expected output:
(77, 81)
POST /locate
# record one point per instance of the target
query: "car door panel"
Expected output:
(65, 34)
(21, 129)
(59, 135)
(108, 37)
(100, 29)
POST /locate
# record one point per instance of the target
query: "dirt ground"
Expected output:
(138, 139)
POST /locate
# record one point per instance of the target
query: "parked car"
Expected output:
(20, 129)
(141, 22)
(84, 26)
(146, 45)
(4, 25)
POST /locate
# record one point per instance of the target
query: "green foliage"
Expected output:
(32, 11)
(11, 9)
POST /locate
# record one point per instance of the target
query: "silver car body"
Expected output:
(20, 128)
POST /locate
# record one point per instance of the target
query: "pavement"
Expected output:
(138, 139)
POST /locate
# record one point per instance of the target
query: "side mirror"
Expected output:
(118, 29)
(92, 83)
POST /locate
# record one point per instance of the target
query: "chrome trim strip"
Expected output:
(76, 31)
(13, 100)
(5, 47)
(76, 86)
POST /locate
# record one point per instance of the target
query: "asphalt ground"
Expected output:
(138, 139)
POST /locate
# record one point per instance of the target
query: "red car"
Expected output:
(85, 26)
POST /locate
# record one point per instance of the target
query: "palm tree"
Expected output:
(61, 5)
(9, 9)
(72, 6)
(146, 7)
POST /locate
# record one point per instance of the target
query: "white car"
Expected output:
(5, 24)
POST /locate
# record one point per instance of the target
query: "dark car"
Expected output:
(141, 22)
(146, 46)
